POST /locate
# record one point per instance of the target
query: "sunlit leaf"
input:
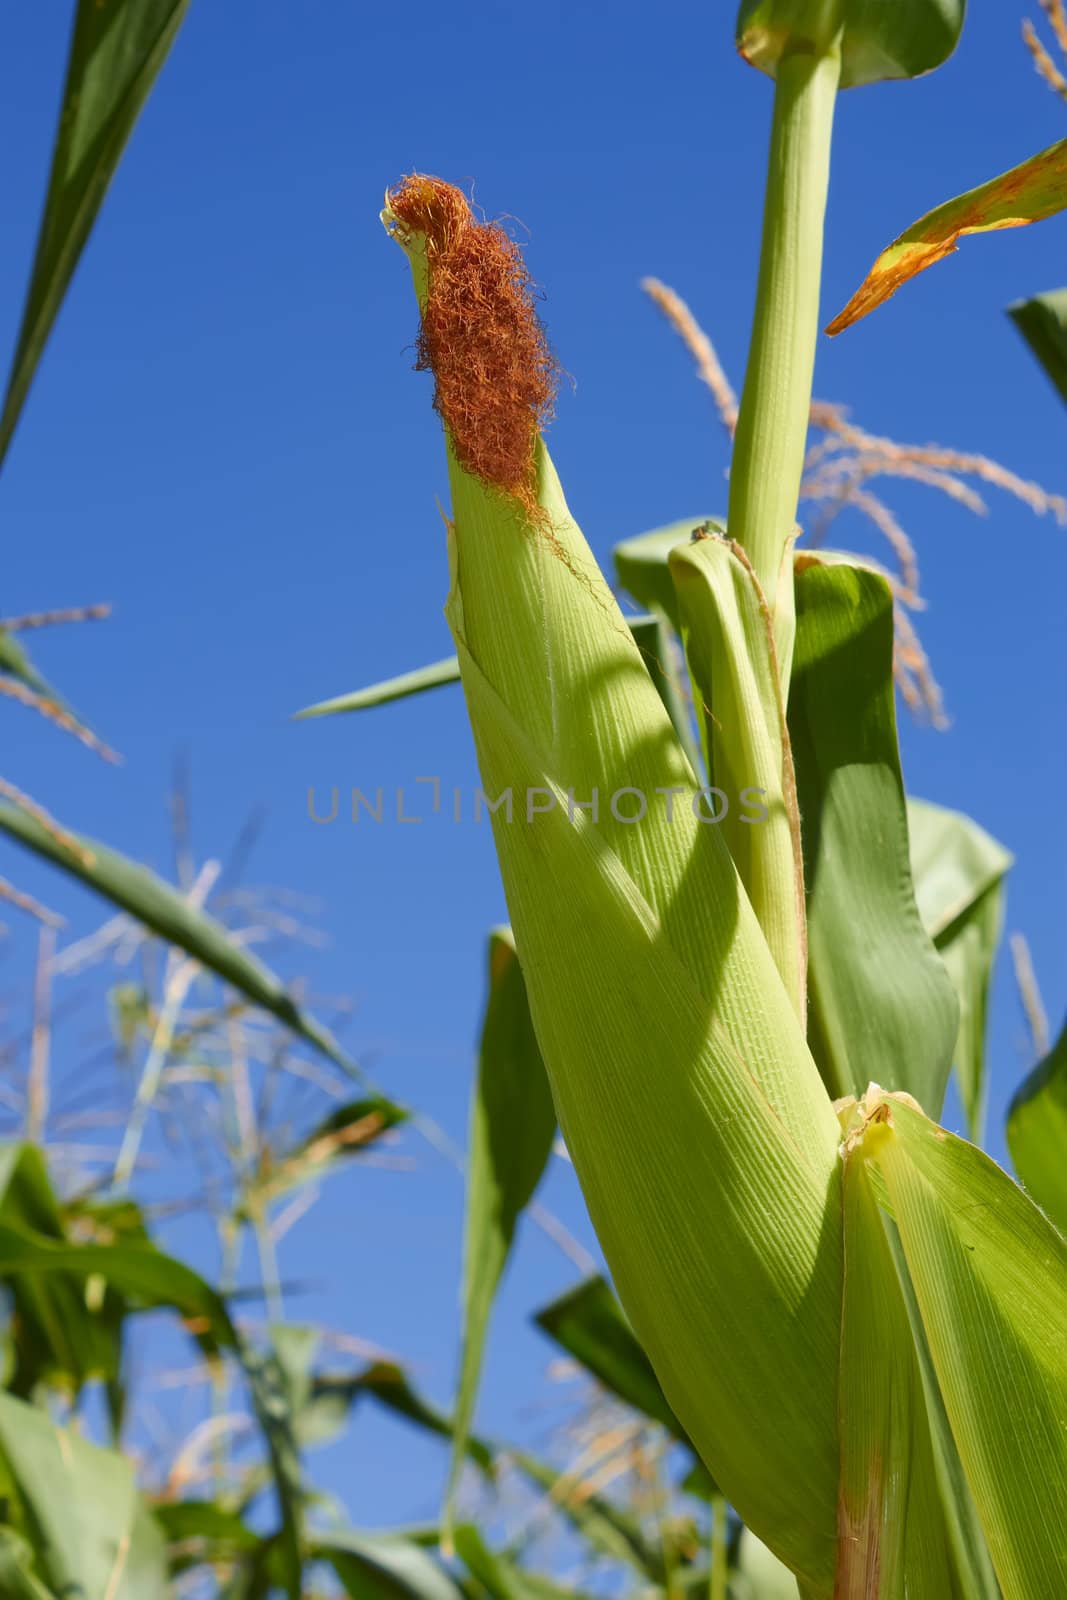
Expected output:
(116, 52)
(989, 1274)
(1028, 193)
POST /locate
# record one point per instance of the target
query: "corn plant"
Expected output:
(745, 1019)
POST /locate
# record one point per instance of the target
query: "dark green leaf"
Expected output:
(145, 896)
(881, 1006)
(17, 1581)
(1042, 321)
(332, 1394)
(513, 1124)
(117, 49)
(589, 1323)
(959, 872)
(1037, 1133)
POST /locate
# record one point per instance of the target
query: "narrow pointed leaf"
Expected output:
(881, 38)
(117, 49)
(1037, 1133)
(1028, 193)
(513, 1125)
(990, 1279)
(1042, 321)
(959, 872)
(434, 676)
(881, 1006)
(138, 891)
(381, 694)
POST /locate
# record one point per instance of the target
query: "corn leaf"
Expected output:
(348, 1130)
(1042, 321)
(989, 1274)
(881, 38)
(116, 52)
(1037, 1133)
(143, 895)
(608, 973)
(702, 1136)
(729, 642)
(1028, 193)
(641, 564)
(390, 1386)
(589, 1323)
(759, 1575)
(881, 1006)
(513, 1125)
(600, 1521)
(17, 1580)
(893, 1538)
(661, 653)
(959, 872)
(381, 694)
(434, 676)
(78, 1506)
(376, 1566)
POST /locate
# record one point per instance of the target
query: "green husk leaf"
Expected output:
(1042, 321)
(881, 38)
(959, 872)
(989, 1274)
(140, 892)
(1037, 1133)
(116, 52)
(641, 564)
(1030, 192)
(881, 1005)
(893, 1539)
(513, 1125)
(729, 641)
(712, 1183)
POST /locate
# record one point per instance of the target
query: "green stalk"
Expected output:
(772, 425)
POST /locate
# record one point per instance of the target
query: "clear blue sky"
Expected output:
(226, 441)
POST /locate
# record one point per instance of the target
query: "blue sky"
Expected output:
(227, 442)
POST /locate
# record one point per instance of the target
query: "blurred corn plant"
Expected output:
(748, 962)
